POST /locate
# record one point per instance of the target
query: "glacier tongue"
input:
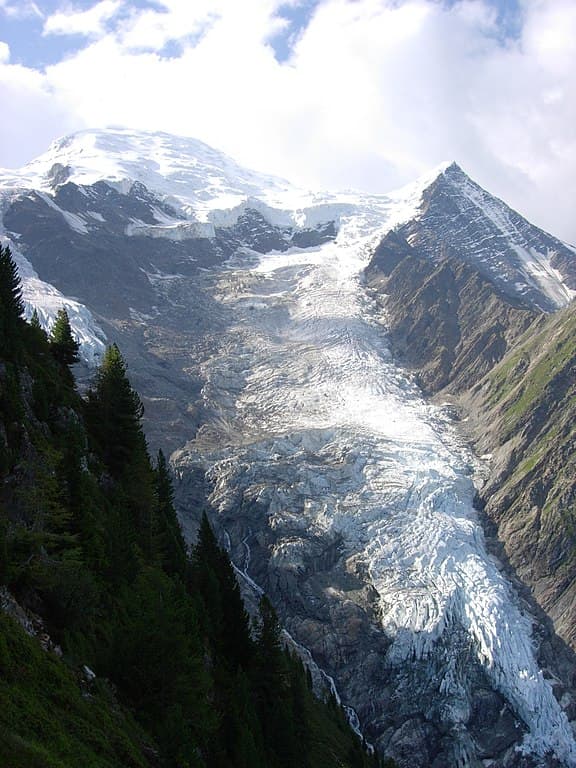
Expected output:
(314, 420)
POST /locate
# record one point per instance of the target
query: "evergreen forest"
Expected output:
(119, 646)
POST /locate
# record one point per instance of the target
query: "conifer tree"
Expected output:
(168, 539)
(273, 688)
(62, 343)
(271, 661)
(157, 661)
(228, 619)
(114, 418)
(268, 639)
(114, 414)
(11, 304)
(38, 347)
(35, 320)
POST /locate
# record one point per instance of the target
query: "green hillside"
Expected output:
(525, 410)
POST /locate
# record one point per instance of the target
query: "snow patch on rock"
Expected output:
(48, 300)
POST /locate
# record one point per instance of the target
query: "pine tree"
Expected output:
(114, 414)
(241, 736)
(168, 539)
(11, 305)
(38, 342)
(226, 616)
(35, 320)
(272, 668)
(268, 638)
(114, 418)
(157, 661)
(62, 343)
(274, 694)
(43, 367)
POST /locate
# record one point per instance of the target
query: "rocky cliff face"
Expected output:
(445, 318)
(524, 412)
(266, 368)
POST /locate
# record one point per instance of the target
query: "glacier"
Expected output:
(312, 417)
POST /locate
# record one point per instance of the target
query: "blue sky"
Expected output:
(330, 93)
(22, 29)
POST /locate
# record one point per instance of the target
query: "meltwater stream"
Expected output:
(312, 418)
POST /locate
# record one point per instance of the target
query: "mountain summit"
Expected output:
(186, 170)
(457, 215)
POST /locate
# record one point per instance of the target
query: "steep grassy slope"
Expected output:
(524, 411)
(52, 718)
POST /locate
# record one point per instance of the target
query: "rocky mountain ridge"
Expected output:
(446, 317)
(524, 414)
(521, 260)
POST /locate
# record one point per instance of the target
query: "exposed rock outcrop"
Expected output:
(524, 411)
(445, 318)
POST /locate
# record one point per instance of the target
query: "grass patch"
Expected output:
(49, 720)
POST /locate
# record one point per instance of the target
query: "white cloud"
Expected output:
(374, 93)
(91, 22)
(20, 9)
(177, 20)
(4, 52)
(32, 115)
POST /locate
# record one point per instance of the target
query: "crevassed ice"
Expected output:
(323, 426)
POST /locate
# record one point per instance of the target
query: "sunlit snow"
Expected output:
(212, 190)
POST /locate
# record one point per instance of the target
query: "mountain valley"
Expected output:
(376, 392)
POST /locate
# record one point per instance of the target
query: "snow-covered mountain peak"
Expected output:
(422, 182)
(203, 182)
(456, 215)
(185, 170)
(452, 174)
(452, 170)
